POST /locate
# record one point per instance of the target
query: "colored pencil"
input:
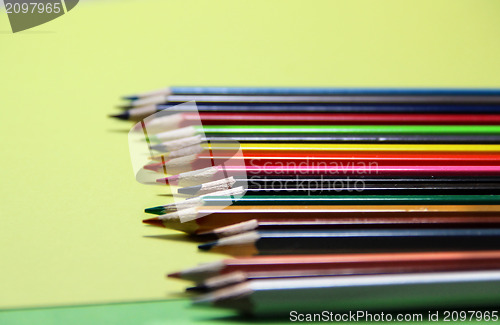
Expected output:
(298, 263)
(359, 188)
(199, 219)
(323, 130)
(345, 241)
(336, 200)
(204, 175)
(180, 120)
(202, 90)
(225, 280)
(241, 149)
(322, 99)
(206, 159)
(177, 144)
(351, 223)
(139, 113)
(408, 263)
(341, 184)
(368, 293)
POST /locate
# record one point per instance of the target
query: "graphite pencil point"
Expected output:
(155, 210)
(198, 288)
(206, 246)
(121, 116)
(176, 275)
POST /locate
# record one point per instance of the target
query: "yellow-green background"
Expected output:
(70, 209)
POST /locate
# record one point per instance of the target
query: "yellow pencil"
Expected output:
(224, 148)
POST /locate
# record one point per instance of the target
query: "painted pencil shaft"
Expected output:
(281, 263)
(213, 130)
(220, 172)
(242, 149)
(413, 222)
(177, 144)
(200, 219)
(332, 200)
(144, 110)
(180, 120)
(205, 159)
(228, 279)
(200, 90)
(369, 293)
(351, 241)
(360, 200)
(335, 99)
(360, 187)
(340, 183)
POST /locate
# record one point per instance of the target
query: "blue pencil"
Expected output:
(316, 91)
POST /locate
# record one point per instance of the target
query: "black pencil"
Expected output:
(136, 114)
(361, 187)
(306, 224)
(335, 241)
(342, 183)
(223, 200)
(324, 181)
(328, 99)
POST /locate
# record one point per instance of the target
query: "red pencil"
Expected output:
(219, 172)
(258, 158)
(437, 260)
(174, 121)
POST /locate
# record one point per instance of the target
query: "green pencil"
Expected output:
(324, 129)
(213, 200)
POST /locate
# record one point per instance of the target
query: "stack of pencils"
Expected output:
(329, 198)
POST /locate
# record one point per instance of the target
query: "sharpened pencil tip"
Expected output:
(164, 180)
(154, 222)
(155, 210)
(121, 116)
(198, 288)
(130, 97)
(176, 275)
(206, 246)
(125, 106)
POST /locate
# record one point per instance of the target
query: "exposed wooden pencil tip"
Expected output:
(209, 232)
(154, 222)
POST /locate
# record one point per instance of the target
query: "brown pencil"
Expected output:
(200, 219)
(298, 263)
